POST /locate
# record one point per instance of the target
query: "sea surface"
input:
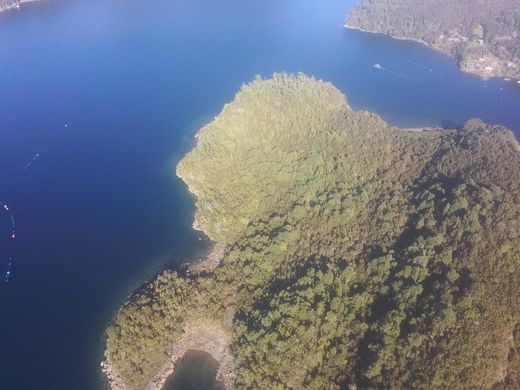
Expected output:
(196, 371)
(99, 99)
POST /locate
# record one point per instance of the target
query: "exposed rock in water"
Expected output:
(13, 4)
(207, 264)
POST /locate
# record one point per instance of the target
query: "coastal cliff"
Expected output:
(483, 36)
(352, 254)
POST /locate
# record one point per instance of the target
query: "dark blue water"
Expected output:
(196, 371)
(99, 212)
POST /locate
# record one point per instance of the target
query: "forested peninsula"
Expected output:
(353, 254)
(482, 35)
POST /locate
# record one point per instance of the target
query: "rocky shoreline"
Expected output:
(356, 28)
(201, 336)
(207, 264)
(198, 334)
(115, 382)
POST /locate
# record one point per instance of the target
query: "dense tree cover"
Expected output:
(147, 326)
(358, 254)
(468, 30)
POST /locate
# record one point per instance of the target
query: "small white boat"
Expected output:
(378, 66)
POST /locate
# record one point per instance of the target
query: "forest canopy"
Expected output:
(357, 254)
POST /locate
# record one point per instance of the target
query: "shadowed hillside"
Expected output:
(357, 254)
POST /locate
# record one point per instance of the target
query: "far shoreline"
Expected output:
(432, 47)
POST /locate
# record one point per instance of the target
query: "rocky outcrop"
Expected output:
(6, 5)
(115, 381)
(206, 264)
(197, 335)
(201, 336)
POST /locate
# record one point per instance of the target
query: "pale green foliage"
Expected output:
(357, 253)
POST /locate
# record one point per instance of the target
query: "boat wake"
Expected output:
(394, 73)
(8, 211)
(10, 215)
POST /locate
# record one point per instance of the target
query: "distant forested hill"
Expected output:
(358, 255)
(484, 35)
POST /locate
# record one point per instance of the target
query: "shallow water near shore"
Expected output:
(196, 371)
(109, 94)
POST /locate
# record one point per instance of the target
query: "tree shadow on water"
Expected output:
(196, 371)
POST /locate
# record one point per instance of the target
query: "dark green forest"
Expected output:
(358, 255)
